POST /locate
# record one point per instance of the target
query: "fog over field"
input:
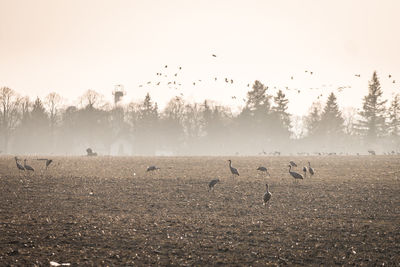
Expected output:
(199, 133)
(205, 78)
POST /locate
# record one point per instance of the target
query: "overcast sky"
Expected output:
(75, 45)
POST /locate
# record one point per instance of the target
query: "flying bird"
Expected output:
(214, 55)
(390, 76)
(267, 195)
(358, 75)
(234, 171)
(212, 184)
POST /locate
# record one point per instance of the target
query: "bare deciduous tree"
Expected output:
(10, 102)
(92, 99)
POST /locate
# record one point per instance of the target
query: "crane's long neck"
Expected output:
(290, 168)
(230, 164)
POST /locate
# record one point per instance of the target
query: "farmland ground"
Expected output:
(95, 211)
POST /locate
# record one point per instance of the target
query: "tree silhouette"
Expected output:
(281, 118)
(313, 120)
(372, 122)
(394, 120)
(146, 127)
(9, 113)
(331, 118)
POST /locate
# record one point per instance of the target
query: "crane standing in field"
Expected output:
(305, 171)
(263, 169)
(27, 167)
(152, 168)
(292, 163)
(48, 162)
(234, 171)
(267, 195)
(310, 170)
(212, 184)
(295, 175)
(19, 166)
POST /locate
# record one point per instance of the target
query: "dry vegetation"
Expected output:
(95, 211)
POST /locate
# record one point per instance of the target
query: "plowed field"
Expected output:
(109, 211)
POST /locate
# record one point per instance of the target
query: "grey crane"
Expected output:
(90, 152)
(234, 171)
(295, 175)
(212, 183)
(19, 166)
(48, 162)
(267, 195)
(27, 167)
(152, 168)
(263, 169)
(292, 163)
(305, 171)
(310, 170)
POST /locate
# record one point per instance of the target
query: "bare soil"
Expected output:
(100, 211)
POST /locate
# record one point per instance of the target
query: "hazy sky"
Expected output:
(75, 45)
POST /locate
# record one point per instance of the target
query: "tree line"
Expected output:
(263, 125)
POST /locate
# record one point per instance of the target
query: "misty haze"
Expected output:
(199, 133)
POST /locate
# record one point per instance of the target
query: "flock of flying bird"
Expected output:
(267, 195)
(172, 80)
